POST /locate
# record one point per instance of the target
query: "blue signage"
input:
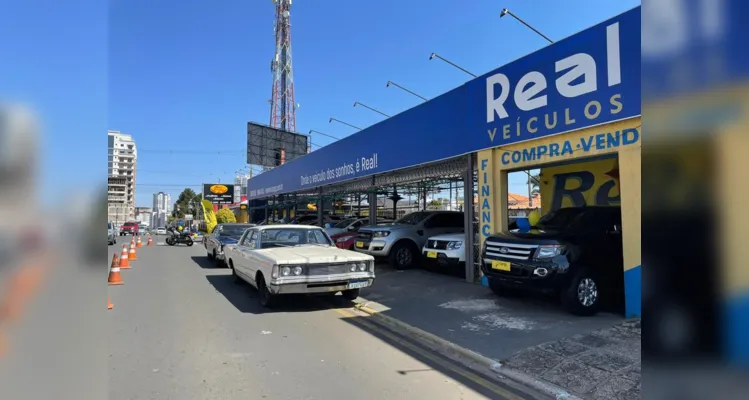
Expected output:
(588, 79)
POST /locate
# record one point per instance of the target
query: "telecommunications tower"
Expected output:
(283, 106)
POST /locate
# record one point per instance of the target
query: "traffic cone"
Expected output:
(132, 256)
(124, 263)
(139, 243)
(109, 304)
(114, 274)
(150, 241)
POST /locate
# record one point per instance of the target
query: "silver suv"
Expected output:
(401, 242)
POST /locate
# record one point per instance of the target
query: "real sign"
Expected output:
(218, 193)
(588, 79)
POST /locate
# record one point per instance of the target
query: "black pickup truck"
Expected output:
(575, 253)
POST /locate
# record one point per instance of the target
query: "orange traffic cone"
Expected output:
(114, 274)
(109, 304)
(132, 256)
(150, 241)
(124, 263)
(139, 243)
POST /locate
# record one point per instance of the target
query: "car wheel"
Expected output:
(582, 297)
(352, 294)
(267, 299)
(402, 255)
(211, 256)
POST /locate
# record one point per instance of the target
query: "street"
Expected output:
(182, 329)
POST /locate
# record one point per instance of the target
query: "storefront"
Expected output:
(572, 109)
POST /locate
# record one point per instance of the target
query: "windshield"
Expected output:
(129, 224)
(232, 230)
(564, 218)
(412, 219)
(285, 237)
(109, 225)
(345, 223)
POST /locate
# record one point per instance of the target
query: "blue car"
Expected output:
(222, 235)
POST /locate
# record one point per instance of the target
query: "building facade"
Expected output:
(121, 170)
(162, 207)
(144, 215)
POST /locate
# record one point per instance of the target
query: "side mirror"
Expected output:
(351, 228)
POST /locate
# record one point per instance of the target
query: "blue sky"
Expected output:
(187, 76)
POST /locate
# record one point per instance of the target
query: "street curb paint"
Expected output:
(484, 281)
(468, 358)
(737, 322)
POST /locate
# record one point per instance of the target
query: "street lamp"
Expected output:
(324, 134)
(341, 122)
(506, 12)
(366, 106)
(435, 55)
(404, 89)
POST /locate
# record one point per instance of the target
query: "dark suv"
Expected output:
(574, 252)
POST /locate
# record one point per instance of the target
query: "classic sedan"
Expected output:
(297, 259)
(222, 235)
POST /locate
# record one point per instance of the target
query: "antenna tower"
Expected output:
(283, 106)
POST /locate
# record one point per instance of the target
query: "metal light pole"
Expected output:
(404, 89)
(341, 122)
(508, 12)
(356, 103)
(435, 55)
(324, 134)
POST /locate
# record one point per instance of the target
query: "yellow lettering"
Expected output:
(532, 129)
(592, 115)
(550, 125)
(567, 119)
(615, 101)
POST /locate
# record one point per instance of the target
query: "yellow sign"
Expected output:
(218, 189)
(592, 183)
(432, 254)
(359, 244)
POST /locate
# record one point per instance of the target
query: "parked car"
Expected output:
(222, 235)
(111, 233)
(344, 240)
(129, 228)
(401, 242)
(142, 230)
(446, 250)
(575, 253)
(352, 225)
(161, 230)
(297, 259)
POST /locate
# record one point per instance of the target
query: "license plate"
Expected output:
(359, 244)
(432, 254)
(357, 284)
(501, 265)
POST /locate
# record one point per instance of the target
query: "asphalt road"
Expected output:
(181, 329)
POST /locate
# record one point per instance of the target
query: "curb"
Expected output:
(467, 357)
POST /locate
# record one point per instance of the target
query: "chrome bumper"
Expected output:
(319, 284)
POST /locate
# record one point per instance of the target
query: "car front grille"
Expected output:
(437, 244)
(515, 251)
(327, 269)
(364, 235)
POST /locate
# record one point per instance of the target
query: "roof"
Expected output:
(287, 226)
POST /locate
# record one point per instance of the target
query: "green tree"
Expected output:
(188, 202)
(225, 216)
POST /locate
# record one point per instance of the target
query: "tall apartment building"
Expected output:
(122, 161)
(162, 207)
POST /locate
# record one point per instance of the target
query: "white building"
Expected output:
(122, 161)
(143, 215)
(162, 208)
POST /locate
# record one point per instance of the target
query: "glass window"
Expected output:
(345, 223)
(232, 230)
(413, 218)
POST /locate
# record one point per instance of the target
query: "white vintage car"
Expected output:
(294, 259)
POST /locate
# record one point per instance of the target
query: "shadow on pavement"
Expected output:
(471, 379)
(245, 298)
(205, 263)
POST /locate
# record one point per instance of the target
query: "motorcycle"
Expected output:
(179, 237)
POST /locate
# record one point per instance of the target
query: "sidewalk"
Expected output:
(596, 357)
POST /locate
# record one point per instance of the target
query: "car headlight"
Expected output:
(285, 271)
(549, 251)
(297, 270)
(353, 267)
(454, 245)
(343, 239)
(362, 266)
(381, 233)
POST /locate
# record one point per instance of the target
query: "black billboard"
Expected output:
(218, 193)
(271, 147)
